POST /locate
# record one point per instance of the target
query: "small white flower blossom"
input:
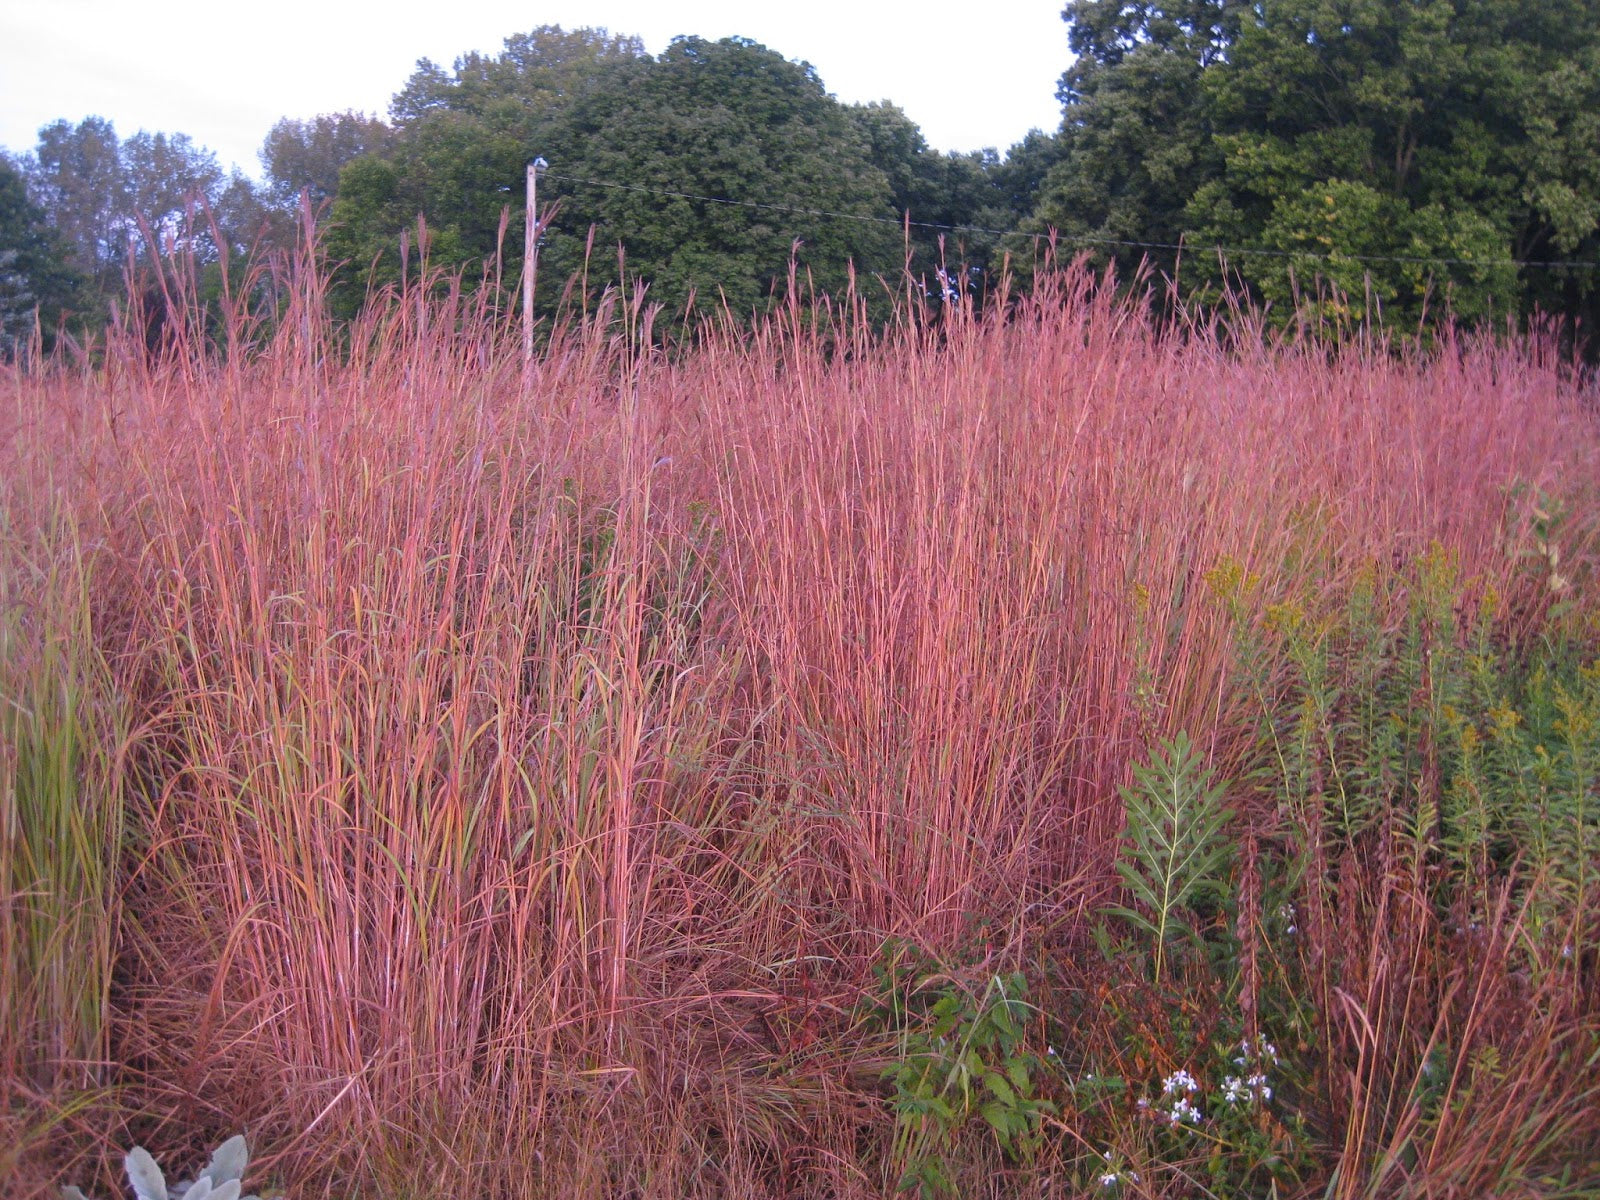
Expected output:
(1264, 1051)
(1183, 1111)
(1178, 1081)
(1113, 1175)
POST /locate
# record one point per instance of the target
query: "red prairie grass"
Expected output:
(529, 763)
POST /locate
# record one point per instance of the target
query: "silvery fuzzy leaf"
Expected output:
(228, 1191)
(71, 1193)
(148, 1182)
(228, 1161)
(200, 1189)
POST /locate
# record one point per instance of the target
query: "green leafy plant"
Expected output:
(219, 1181)
(1426, 751)
(1176, 850)
(61, 821)
(1539, 525)
(1411, 709)
(962, 1054)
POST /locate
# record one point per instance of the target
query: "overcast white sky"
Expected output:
(972, 75)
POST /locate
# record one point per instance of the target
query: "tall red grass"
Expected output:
(529, 762)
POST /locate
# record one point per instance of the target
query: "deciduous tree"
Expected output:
(36, 280)
(307, 156)
(1357, 156)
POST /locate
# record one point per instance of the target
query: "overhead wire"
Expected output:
(1075, 239)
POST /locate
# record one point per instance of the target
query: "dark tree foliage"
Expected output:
(958, 205)
(113, 200)
(37, 284)
(1135, 139)
(534, 73)
(1352, 159)
(1411, 155)
(726, 120)
(455, 157)
(75, 174)
(1466, 131)
(307, 156)
(706, 169)
(129, 213)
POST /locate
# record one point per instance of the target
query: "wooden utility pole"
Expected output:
(530, 256)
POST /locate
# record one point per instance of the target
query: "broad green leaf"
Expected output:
(1002, 1090)
(1017, 1071)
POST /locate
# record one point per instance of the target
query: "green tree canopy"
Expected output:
(1410, 154)
(166, 178)
(307, 156)
(632, 141)
(958, 204)
(534, 73)
(107, 196)
(117, 208)
(75, 174)
(731, 120)
(1136, 137)
(456, 155)
(36, 280)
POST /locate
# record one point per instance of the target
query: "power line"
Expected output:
(1078, 239)
(786, 208)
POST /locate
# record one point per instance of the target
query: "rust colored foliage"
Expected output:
(517, 769)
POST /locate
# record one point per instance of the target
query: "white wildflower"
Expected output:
(1178, 1081)
(1264, 1051)
(1183, 1111)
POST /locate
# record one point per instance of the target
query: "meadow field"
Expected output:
(1046, 755)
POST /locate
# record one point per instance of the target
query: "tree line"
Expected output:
(1357, 159)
